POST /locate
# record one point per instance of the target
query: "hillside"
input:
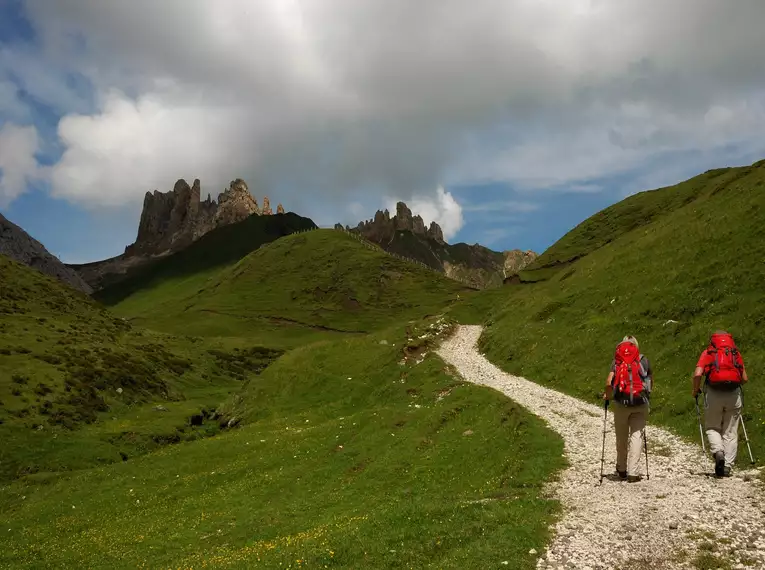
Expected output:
(669, 266)
(77, 383)
(447, 472)
(18, 245)
(623, 217)
(317, 281)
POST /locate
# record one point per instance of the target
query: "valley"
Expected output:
(272, 394)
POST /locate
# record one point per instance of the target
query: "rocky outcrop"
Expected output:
(171, 221)
(20, 246)
(475, 264)
(235, 204)
(382, 227)
(516, 260)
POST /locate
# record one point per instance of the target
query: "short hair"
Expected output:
(632, 339)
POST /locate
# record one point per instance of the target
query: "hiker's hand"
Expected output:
(605, 396)
(695, 393)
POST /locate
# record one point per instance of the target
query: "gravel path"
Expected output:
(666, 521)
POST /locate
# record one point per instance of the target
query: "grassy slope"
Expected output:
(620, 218)
(294, 290)
(343, 455)
(65, 362)
(698, 262)
(344, 462)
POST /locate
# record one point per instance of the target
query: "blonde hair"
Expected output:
(632, 339)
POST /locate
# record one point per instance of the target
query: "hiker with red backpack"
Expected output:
(724, 374)
(629, 385)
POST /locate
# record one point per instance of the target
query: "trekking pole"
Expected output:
(741, 419)
(603, 453)
(645, 444)
(746, 437)
(701, 431)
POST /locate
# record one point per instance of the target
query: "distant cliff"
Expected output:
(20, 246)
(406, 234)
(171, 221)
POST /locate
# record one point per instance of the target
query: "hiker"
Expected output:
(724, 375)
(629, 385)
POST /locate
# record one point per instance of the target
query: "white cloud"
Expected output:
(18, 165)
(134, 146)
(352, 100)
(441, 208)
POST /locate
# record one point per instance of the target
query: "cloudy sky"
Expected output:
(507, 121)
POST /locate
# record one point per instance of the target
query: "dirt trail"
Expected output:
(664, 522)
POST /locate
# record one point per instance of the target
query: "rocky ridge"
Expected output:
(383, 227)
(406, 234)
(171, 221)
(20, 246)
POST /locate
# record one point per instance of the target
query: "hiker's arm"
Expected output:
(744, 377)
(609, 393)
(697, 380)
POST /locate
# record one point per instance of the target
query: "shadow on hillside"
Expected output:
(222, 246)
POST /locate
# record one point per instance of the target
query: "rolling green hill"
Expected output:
(293, 288)
(621, 218)
(353, 450)
(669, 266)
(351, 444)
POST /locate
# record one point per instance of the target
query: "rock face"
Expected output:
(515, 260)
(405, 234)
(382, 227)
(171, 221)
(20, 246)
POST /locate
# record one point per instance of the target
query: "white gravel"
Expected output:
(662, 522)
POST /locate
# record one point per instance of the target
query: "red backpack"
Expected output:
(727, 367)
(628, 375)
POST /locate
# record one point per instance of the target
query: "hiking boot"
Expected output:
(727, 471)
(719, 464)
(633, 478)
(621, 474)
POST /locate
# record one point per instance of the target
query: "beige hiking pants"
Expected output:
(721, 414)
(629, 422)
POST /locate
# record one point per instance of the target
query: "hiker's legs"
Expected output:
(730, 426)
(637, 418)
(713, 419)
(621, 430)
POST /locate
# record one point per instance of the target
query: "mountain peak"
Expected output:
(383, 227)
(172, 220)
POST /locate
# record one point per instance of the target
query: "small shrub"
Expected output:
(49, 358)
(19, 379)
(42, 389)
